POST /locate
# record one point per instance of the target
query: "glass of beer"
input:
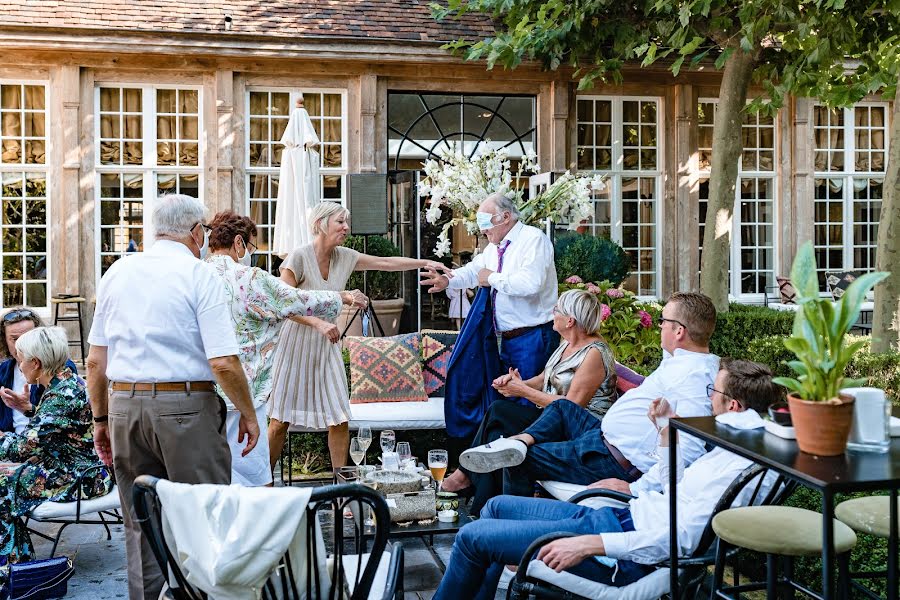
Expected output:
(437, 463)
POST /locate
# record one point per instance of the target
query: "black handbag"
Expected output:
(39, 579)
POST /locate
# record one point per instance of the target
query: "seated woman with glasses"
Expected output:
(18, 398)
(582, 369)
(55, 448)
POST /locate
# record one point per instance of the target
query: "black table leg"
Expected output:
(892, 590)
(828, 545)
(673, 515)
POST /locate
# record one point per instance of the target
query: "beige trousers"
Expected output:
(173, 435)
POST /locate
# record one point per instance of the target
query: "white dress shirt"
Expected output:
(20, 421)
(680, 378)
(162, 314)
(527, 286)
(699, 490)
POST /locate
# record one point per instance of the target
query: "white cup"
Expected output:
(871, 430)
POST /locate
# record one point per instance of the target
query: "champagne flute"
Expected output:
(665, 410)
(365, 440)
(357, 452)
(437, 462)
(404, 453)
(388, 440)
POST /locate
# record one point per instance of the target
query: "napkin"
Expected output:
(747, 419)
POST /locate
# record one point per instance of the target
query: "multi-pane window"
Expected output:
(268, 111)
(849, 163)
(753, 217)
(148, 146)
(23, 195)
(620, 137)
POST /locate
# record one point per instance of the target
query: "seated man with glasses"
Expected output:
(568, 444)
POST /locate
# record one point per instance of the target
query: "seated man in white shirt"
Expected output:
(568, 444)
(636, 536)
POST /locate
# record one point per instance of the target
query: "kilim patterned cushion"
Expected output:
(787, 291)
(385, 369)
(437, 346)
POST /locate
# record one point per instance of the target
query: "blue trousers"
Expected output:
(529, 353)
(508, 525)
(568, 447)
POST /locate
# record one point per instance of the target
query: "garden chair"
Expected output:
(377, 574)
(535, 579)
(870, 515)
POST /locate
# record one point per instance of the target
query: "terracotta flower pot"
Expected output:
(822, 428)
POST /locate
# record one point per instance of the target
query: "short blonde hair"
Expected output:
(323, 211)
(50, 345)
(582, 306)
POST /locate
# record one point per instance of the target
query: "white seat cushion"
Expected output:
(62, 510)
(395, 415)
(351, 561)
(864, 307)
(563, 491)
(650, 587)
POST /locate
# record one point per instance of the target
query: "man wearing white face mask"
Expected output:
(259, 303)
(161, 338)
(518, 266)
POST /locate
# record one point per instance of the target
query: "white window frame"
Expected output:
(43, 169)
(293, 94)
(615, 175)
(734, 275)
(149, 169)
(848, 175)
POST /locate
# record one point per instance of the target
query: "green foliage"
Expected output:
(820, 328)
(591, 258)
(380, 285)
(739, 326)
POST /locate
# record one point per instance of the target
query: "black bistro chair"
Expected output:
(355, 573)
(535, 580)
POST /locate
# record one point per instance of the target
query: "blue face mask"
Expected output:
(483, 220)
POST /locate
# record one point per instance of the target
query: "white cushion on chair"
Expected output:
(62, 510)
(350, 562)
(395, 415)
(563, 491)
(650, 587)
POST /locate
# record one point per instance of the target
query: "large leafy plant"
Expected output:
(820, 330)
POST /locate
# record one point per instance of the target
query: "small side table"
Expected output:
(65, 300)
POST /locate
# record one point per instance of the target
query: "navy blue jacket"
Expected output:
(474, 365)
(7, 374)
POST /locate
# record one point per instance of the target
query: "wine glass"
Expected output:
(437, 462)
(357, 452)
(404, 452)
(388, 440)
(365, 440)
(665, 410)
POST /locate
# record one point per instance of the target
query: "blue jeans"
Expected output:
(529, 353)
(568, 447)
(508, 525)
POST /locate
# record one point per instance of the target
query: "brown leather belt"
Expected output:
(633, 472)
(514, 333)
(165, 386)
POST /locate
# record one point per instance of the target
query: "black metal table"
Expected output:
(850, 472)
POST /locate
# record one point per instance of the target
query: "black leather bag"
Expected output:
(39, 579)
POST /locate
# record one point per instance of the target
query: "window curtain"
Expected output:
(869, 136)
(16, 125)
(328, 130)
(829, 138)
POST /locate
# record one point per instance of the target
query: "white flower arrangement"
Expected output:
(461, 183)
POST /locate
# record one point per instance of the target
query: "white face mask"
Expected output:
(204, 249)
(247, 258)
(483, 220)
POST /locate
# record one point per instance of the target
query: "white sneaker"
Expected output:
(498, 454)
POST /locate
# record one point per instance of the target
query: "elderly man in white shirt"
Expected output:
(518, 266)
(162, 337)
(569, 444)
(635, 536)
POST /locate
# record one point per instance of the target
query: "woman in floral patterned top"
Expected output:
(260, 303)
(55, 447)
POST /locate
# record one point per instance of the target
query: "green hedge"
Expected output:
(742, 324)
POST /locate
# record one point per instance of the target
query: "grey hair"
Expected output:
(50, 345)
(321, 213)
(503, 204)
(582, 306)
(175, 214)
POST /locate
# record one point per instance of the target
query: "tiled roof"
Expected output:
(402, 20)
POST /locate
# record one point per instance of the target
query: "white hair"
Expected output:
(503, 204)
(321, 213)
(582, 306)
(175, 214)
(50, 345)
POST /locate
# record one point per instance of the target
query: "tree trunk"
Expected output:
(886, 323)
(726, 152)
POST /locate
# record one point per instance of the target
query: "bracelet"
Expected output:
(102, 419)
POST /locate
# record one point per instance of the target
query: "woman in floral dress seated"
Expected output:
(56, 446)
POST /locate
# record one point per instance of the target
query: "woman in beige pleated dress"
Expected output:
(310, 385)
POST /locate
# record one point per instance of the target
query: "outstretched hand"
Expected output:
(438, 282)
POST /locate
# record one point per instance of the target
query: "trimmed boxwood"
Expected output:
(742, 324)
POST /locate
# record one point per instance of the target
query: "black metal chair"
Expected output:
(692, 569)
(281, 584)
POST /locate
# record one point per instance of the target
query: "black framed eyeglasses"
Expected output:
(205, 227)
(676, 321)
(710, 389)
(14, 316)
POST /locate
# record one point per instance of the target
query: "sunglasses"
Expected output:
(15, 316)
(676, 321)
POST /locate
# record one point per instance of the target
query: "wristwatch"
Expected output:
(102, 419)
(29, 413)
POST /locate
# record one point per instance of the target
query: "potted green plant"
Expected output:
(382, 287)
(821, 415)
